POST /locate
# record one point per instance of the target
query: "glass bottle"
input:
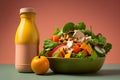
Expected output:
(26, 40)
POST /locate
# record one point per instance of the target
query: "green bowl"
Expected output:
(75, 65)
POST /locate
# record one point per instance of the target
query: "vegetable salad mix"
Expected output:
(74, 41)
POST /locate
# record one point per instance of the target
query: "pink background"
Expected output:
(103, 15)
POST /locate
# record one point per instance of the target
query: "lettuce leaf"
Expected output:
(80, 26)
(49, 44)
(57, 31)
(68, 27)
(107, 47)
(98, 40)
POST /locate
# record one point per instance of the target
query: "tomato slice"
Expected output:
(76, 48)
(55, 38)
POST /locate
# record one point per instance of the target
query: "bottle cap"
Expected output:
(25, 10)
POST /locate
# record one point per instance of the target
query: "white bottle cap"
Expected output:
(25, 10)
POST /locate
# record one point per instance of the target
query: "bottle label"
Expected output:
(24, 53)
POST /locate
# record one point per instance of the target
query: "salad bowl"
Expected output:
(75, 49)
(75, 65)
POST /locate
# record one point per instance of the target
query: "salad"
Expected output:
(75, 41)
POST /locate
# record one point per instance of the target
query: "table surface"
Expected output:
(107, 72)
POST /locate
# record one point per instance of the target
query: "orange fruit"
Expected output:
(40, 64)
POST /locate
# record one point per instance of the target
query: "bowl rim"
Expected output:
(74, 58)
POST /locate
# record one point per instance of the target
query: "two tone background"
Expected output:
(103, 15)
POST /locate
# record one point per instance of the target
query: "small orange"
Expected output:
(40, 64)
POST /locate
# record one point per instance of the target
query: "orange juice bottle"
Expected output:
(26, 40)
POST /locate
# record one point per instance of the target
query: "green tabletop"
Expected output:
(108, 72)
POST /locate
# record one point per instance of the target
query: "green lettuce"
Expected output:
(98, 40)
(107, 47)
(80, 26)
(49, 44)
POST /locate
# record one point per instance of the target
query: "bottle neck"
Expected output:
(28, 16)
